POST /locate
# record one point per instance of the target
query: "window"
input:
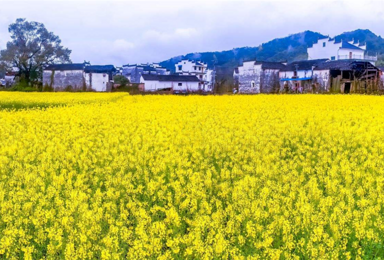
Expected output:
(104, 75)
(323, 44)
(252, 84)
(180, 67)
(194, 68)
(333, 58)
(180, 84)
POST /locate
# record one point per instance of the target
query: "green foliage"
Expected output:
(68, 88)
(22, 88)
(132, 89)
(47, 88)
(29, 56)
(119, 79)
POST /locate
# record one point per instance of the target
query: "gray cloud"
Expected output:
(121, 32)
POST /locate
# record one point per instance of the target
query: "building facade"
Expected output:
(332, 49)
(176, 83)
(78, 76)
(133, 72)
(298, 75)
(258, 76)
(198, 69)
(99, 77)
(61, 76)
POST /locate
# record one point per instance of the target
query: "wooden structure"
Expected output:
(351, 76)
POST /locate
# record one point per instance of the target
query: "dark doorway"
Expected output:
(347, 87)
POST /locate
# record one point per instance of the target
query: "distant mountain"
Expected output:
(291, 48)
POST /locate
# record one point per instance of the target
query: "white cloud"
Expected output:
(122, 45)
(176, 35)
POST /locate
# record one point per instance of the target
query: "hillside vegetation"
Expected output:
(290, 48)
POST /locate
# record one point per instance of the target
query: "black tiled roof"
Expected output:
(67, 66)
(170, 77)
(346, 45)
(303, 65)
(270, 65)
(100, 68)
(149, 68)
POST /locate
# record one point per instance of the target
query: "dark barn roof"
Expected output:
(303, 65)
(100, 68)
(170, 77)
(343, 65)
(67, 66)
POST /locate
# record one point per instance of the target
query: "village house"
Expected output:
(347, 76)
(9, 78)
(198, 69)
(258, 76)
(298, 75)
(79, 76)
(332, 49)
(99, 77)
(337, 76)
(61, 76)
(176, 83)
(332, 66)
(133, 72)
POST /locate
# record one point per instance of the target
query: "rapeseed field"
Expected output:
(113, 176)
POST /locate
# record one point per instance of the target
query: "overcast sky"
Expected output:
(121, 32)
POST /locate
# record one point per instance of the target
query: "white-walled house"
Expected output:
(209, 79)
(258, 76)
(198, 69)
(337, 76)
(329, 48)
(298, 73)
(61, 76)
(133, 72)
(180, 83)
(99, 77)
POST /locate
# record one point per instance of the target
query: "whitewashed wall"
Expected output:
(99, 81)
(317, 51)
(153, 85)
(332, 49)
(300, 74)
(356, 54)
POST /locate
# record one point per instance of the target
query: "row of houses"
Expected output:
(332, 66)
(78, 76)
(189, 76)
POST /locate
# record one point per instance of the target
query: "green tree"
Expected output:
(31, 47)
(119, 79)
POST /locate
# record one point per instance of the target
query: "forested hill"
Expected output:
(290, 48)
